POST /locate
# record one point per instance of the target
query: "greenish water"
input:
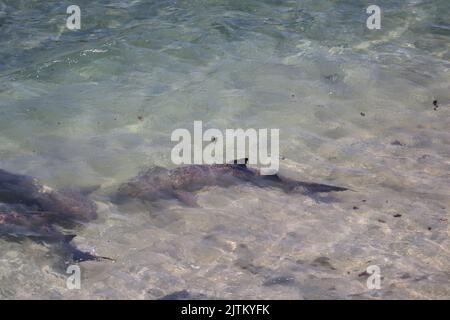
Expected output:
(94, 106)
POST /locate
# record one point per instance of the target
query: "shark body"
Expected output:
(180, 183)
(31, 210)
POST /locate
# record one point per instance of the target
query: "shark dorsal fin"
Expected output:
(241, 162)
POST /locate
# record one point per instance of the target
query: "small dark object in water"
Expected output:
(355, 208)
(180, 183)
(282, 280)
(140, 118)
(184, 295)
(333, 78)
(381, 221)
(248, 266)
(429, 228)
(435, 104)
(362, 114)
(397, 143)
(397, 215)
(179, 295)
(323, 262)
(364, 274)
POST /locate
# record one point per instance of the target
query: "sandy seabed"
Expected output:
(354, 108)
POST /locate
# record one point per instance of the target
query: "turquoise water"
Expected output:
(94, 106)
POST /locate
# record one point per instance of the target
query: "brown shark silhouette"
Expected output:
(180, 183)
(29, 209)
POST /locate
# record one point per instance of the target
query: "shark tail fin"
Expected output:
(72, 253)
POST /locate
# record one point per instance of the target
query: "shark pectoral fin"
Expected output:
(76, 255)
(186, 197)
(73, 254)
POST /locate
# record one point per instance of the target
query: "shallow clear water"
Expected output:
(93, 107)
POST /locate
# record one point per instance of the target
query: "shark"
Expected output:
(71, 204)
(32, 210)
(182, 182)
